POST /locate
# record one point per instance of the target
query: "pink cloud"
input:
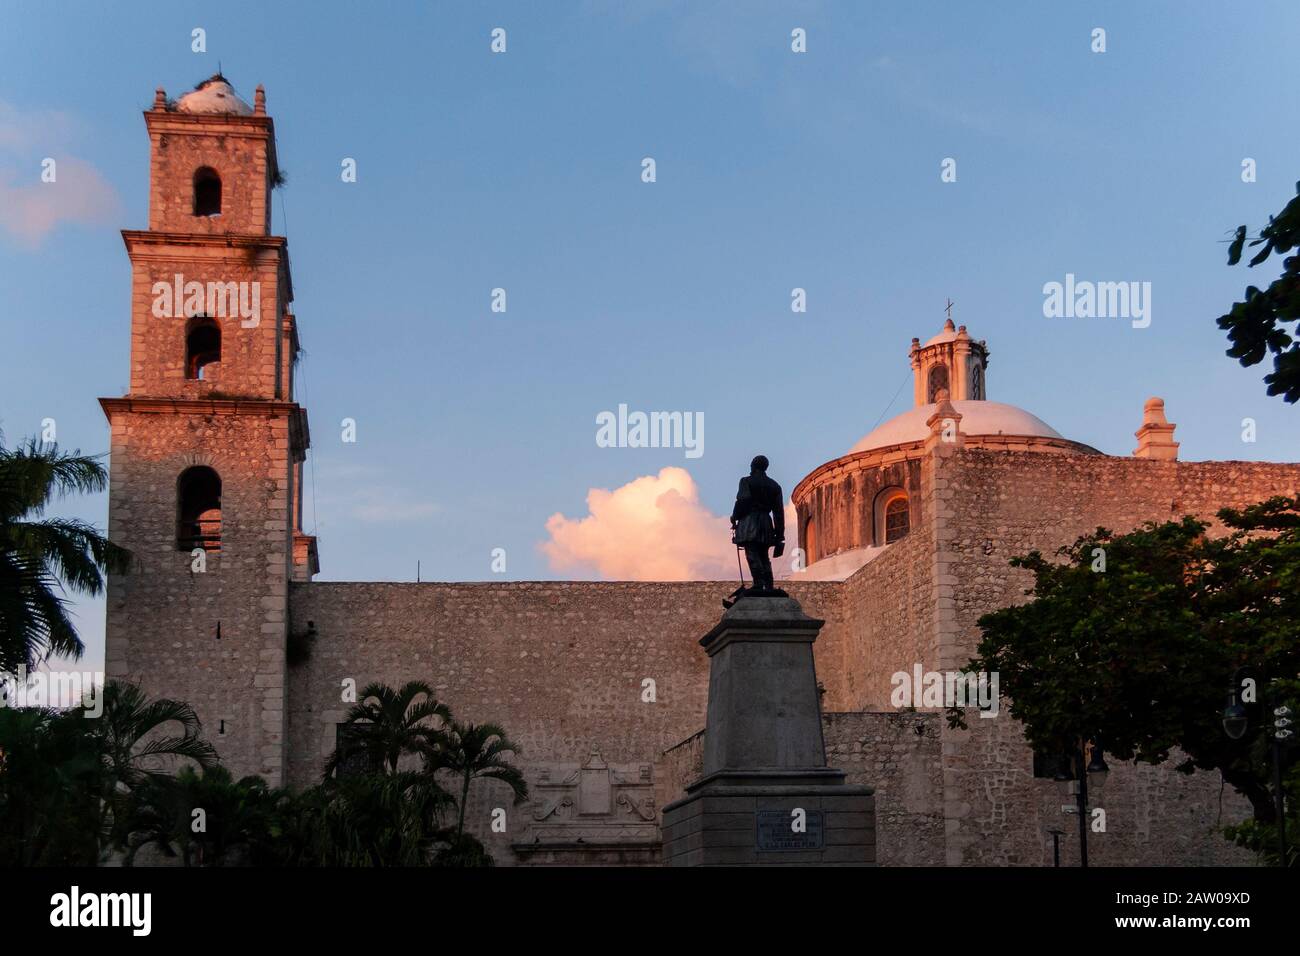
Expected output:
(29, 207)
(29, 212)
(653, 528)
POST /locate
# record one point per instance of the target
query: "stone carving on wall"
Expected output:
(593, 803)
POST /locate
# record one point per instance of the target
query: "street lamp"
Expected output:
(1236, 721)
(1098, 763)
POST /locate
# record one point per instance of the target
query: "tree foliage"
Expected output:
(40, 556)
(478, 751)
(1262, 323)
(140, 778)
(1139, 656)
(69, 781)
(391, 724)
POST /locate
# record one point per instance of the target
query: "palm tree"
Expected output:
(138, 740)
(38, 555)
(238, 818)
(478, 751)
(371, 819)
(391, 724)
(70, 784)
(51, 779)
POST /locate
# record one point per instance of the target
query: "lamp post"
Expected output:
(1280, 730)
(1094, 766)
(1078, 780)
(1237, 720)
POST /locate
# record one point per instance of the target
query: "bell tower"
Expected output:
(951, 361)
(208, 444)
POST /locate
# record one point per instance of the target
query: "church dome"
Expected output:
(977, 418)
(948, 334)
(213, 95)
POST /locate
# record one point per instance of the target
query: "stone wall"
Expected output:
(840, 502)
(240, 149)
(214, 639)
(252, 363)
(677, 767)
(998, 814)
(1155, 816)
(560, 665)
(1005, 504)
(897, 754)
(884, 623)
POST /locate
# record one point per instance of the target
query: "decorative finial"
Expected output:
(259, 100)
(948, 309)
(160, 99)
(1153, 412)
(1156, 436)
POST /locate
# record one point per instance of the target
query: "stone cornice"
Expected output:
(133, 239)
(915, 451)
(199, 406)
(150, 237)
(252, 123)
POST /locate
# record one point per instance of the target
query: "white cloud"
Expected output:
(653, 528)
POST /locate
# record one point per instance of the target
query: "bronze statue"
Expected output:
(758, 523)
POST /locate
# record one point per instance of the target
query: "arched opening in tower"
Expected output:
(202, 347)
(938, 381)
(207, 192)
(198, 525)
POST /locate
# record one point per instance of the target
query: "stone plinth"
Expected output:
(766, 796)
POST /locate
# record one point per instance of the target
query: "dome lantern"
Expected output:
(950, 361)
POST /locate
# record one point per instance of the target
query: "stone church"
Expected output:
(907, 537)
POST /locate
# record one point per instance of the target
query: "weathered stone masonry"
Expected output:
(214, 634)
(567, 667)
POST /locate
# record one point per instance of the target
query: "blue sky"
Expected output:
(774, 171)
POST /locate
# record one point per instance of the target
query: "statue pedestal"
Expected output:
(766, 796)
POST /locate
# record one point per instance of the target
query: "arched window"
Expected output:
(892, 516)
(198, 496)
(938, 380)
(897, 520)
(207, 192)
(202, 346)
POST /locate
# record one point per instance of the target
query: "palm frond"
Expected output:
(40, 557)
(35, 472)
